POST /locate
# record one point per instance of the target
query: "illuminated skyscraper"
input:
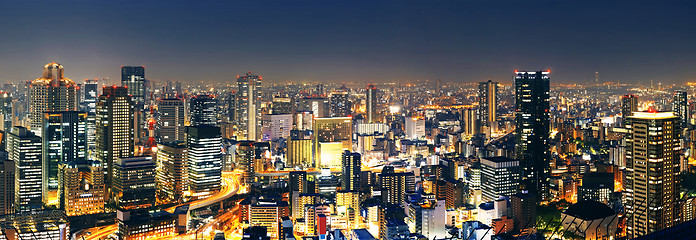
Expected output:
(82, 188)
(371, 108)
(532, 132)
(204, 159)
(283, 105)
(91, 95)
(133, 78)
(24, 148)
(51, 93)
(170, 122)
(340, 105)
(332, 133)
(468, 121)
(245, 158)
(7, 186)
(248, 109)
(351, 166)
(172, 171)
(680, 106)
(500, 176)
(652, 165)
(64, 138)
(6, 113)
(299, 150)
(394, 185)
(114, 128)
(134, 182)
(629, 104)
(488, 102)
(203, 110)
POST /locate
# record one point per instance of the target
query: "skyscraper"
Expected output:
(629, 104)
(340, 105)
(351, 166)
(245, 157)
(24, 148)
(91, 95)
(469, 122)
(51, 93)
(488, 102)
(332, 133)
(6, 112)
(299, 149)
(64, 138)
(133, 78)
(82, 188)
(371, 104)
(319, 106)
(500, 176)
(170, 120)
(7, 186)
(652, 165)
(203, 110)
(680, 106)
(394, 185)
(172, 171)
(283, 105)
(115, 125)
(248, 110)
(134, 182)
(204, 159)
(532, 132)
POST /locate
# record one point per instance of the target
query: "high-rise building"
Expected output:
(133, 78)
(488, 102)
(340, 105)
(276, 126)
(51, 93)
(500, 176)
(394, 185)
(348, 205)
(134, 182)
(680, 106)
(82, 188)
(283, 105)
(629, 104)
(319, 106)
(24, 149)
(297, 181)
(204, 159)
(7, 189)
(523, 206)
(6, 113)
(114, 131)
(64, 138)
(371, 108)
(248, 109)
(172, 172)
(652, 165)
(203, 110)
(91, 94)
(338, 130)
(351, 166)
(532, 132)
(245, 158)
(170, 120)
(299, 150)
(415, 128)
(267, 214)
(468, 121)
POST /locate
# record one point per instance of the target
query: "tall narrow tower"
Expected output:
(371, 104)
(488, 102)
(114, 128)
(629, 104)
(248, 110)
(532, 132)
(51, 93)
(680, 106)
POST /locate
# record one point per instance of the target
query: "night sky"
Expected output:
(351, 41)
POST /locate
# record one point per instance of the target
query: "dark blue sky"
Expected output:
(352, 41)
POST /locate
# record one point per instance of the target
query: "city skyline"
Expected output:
(353, 42)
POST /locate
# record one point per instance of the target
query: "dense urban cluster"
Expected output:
(249, 158)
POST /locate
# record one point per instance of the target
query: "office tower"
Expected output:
(351, 166)
(469, 122)
(299, 150)
(340, 105)
(64, 138)
(680, 106)
(245, 158)
(172, 172)
(170, 120)
(133, 78)
(332, 131)
(532, 132)
(371, 108)
(652, 164)
(114, 128)
(6, 112)
(82, 188)
(248, 119)
(276, 126)
(596, 75)
(524, 206)
(394, 185)
(319, 106)
(134, 182)
(203, 110)
(500, 176)
(51, 93)
(24, 149)
(283, 105)
(204, 160)
(629, 104)
(7, 185)
(427, 218)
(488, 102)
(415, 128)
(90, 97)
(267, 214)
(297, 181)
